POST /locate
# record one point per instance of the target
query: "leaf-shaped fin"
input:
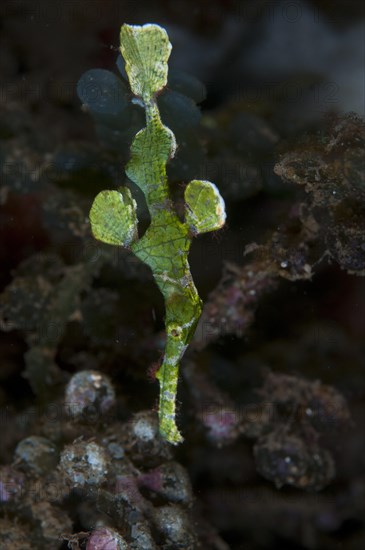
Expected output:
(205, 208)
(149, 152)
(113, 217)
(146, 50)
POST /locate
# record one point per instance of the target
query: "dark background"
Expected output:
(292, 63)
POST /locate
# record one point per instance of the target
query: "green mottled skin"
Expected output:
(164, 248)
(165, 245)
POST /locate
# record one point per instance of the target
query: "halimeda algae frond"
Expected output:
(165, 245)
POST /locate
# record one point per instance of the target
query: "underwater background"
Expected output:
(266, 100)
